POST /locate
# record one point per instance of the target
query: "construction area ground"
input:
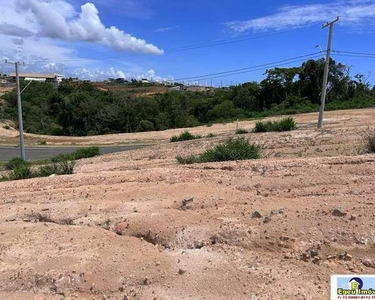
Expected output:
(137, 225)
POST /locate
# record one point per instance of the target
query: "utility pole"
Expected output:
(326, 72)
(19, 105)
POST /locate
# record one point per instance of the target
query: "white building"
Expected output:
(51, 78)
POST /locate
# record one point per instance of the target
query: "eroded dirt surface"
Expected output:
(341, 127)
(136, 225)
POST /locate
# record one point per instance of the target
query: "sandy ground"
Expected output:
(136, 225)
(356, 122)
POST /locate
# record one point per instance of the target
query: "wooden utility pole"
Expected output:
(19, 105)
(326, 72)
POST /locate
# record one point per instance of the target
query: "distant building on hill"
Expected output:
(192, 88)
(50, 78)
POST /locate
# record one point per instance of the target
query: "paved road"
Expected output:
(40, 153)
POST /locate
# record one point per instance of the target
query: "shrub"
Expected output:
(7, 127)
(86, 153)
(22, 172)
(42, 142)
(370, 143)
(286, 124)
(16, 163)
(185, 136)
(241, 131)
(48, 170)
(233, 149)
(62, 157)
(78, 154)
(210, 135)
(145, 126)
(66, 167)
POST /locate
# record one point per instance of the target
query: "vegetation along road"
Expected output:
(40, 153)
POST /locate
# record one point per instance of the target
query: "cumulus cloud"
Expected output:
(18, 42)
(57, 19)
(100, 74)
(13, 30)
(352, 13)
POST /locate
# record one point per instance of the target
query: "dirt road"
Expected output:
(136, 225)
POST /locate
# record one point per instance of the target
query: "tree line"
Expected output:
(80, 110)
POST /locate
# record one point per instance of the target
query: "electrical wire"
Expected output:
(262, 66)
(258, 69)
(353, 53)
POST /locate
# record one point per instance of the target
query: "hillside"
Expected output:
(98, 109)
(140, 91)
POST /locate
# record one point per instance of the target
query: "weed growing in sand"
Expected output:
(233, 149)
(241, 131)
(78, 154)
(185, 136)
(21, 172)
(26, 171)
(16, 163)
(370, 143)
(286, 124)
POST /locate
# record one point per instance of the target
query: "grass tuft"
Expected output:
(16, 163)
(25, 171)
(78, 154)
(241, 131)
(286, 124)
(233, 149)
(185, 136)
(370, 143)
(21, 172)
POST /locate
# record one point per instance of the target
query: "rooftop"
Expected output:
(34, 75)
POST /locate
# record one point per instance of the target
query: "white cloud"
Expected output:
(352, 13)
(17, 41)
(163, 29)
(35, 36)
(99, 74)
(14, 30)
(57, 19)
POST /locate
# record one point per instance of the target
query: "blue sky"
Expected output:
(136, 38)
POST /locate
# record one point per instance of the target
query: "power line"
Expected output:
(259, 69)
(177, 49)
(249, 68)
(353, 53)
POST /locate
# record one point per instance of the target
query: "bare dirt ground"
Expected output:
(136, 225)
(340, 128)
